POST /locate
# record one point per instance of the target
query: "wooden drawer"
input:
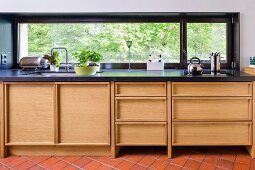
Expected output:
(141, 133)
(211, 133)
(212, 89)
(140, 89)
(212, 108)
(140, 109)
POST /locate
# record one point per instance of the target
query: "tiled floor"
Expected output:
(139, 158)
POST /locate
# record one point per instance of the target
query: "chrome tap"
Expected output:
(62, 48)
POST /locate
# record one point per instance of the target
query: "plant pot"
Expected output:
(86, 71)
(54, 68)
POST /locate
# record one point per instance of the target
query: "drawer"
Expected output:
(140, 89)
(212, 108)
(141, 133)
(140, 109)
(212, 89)
(206, 133)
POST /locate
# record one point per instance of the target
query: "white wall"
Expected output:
(246, 7)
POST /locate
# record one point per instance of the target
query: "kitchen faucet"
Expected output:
(62, 48)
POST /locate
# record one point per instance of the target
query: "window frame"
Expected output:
(139, 17)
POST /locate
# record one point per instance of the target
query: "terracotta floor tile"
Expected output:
(8, 159)
(218, 168)
(152, 158)
(69, 159)
(206, 166)
(228, 156)
(192, 164)
(48, 162)
(59, 165)
(211, 160)
(163, 157)
(240, 166)
(125, 165)
(104, 167)
(225, 164)
(159, 164)
(147, 161)
(138, 167)
(37, 159)
(92, 165)
(37, 168)
(114, 162)
(100, 158)
(71, 167)
(134, 158)
(243, 158)
(25, 165)
(3, 167)
(214, 153)
(197, 157)
(173, 167)
(182, 152)
(179, 161)
(15, 162)
(82, 162)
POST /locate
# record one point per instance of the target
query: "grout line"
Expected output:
(70, 163)
(100, 162)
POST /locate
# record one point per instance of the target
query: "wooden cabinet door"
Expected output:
(29, 113)
(84, 113)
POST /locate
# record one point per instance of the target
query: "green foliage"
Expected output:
(54, 59)
(109, 39)
(84, 56)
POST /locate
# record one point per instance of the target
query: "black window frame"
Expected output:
(232, 20)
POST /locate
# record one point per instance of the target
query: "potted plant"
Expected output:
(88, 62)
(54, 61)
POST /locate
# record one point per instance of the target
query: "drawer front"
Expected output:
(212, 89)
(141, 109)
(224, 133)
(140, 89)
(235, 108)
(147, 134)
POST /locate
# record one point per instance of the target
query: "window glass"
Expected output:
(108, 39)
(205, 38)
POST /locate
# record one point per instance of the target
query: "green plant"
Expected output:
(86, 56)
(53, 59)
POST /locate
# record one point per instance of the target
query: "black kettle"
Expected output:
(194, 66)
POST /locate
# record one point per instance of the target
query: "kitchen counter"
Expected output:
(124, 75)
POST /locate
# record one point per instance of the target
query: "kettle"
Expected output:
(195, 67)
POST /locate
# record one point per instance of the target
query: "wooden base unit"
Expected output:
(141, 133)
(141, 89)
(211, 133)
(84, 114)
(212, 108)
(98, 118)
(140, 109)
(60, 150)
(212, 89)
(29, 113)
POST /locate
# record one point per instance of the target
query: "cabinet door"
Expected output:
(84, 113)
(30, 113)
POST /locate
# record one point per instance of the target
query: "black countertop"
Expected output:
(123, 75)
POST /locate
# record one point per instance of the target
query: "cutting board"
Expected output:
(249, 70)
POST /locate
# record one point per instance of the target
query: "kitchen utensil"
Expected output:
(33, 63)
(195, 67)
(215, 62)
